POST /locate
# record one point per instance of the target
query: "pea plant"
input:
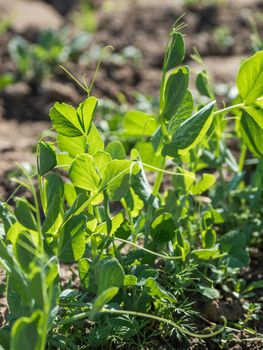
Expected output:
(150, 232)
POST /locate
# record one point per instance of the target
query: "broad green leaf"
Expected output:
(185, 111)
(94, 141)
(101, 159)
(142, 188)
(116, 222)
(24, 214)
(203, 84)
(256, 114)
(191, 132)
(83, 267)
(207, 254)
(114, 172)
(183, 180)
(27, 332)
(116, 150)
(130, 280)
(208, 292)
(102, 300)
(254, 285)
(134, 203)
(234, 244)
(163, 228)
(207, 181)
(65, 120)
(72, 240)
(25, 250)
(158, 292)
(174, 91)
(85, 113)
(175, 52)
(111, 274)
(83, 173)
(209, 238)
(53, 195)
(148, 155)
(79, 145)
(250, 78)
(140, 123)
(37, 288)
(252, 131)
(47, 158)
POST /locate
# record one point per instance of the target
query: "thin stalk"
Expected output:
(159, 179)
(166, 257)
(150, 208)
(229, 109)
(83, 315)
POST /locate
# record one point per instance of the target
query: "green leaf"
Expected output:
(47, 158)
(25, 250)
(72, 240)
(159, 292)
(83, 266)
(27, 332)
(130, 280)
(85, 113)
(102, 300)
(102, 160)
(254, 285)
(183, 180)
(142, 188)
(139, 123)
(250, 78)
(116, 150)
(113, 173)
(79, 145)
(190, 132)
(148, 155)
(83, 173)
(234, 244)
(116, 222)
(37, 288)
(207, 181)
(54, 192)
(65, 120)
(207, 254)
(175, 52)
(184, 111)
(203, 84)
(111, 274)
(24, 214)
(208, 292)
(163, 228)
(174, 91)
(252, 130)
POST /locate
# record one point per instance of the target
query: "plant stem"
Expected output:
(159, 179)
(83, 315)
(150, 208)
(229, 109)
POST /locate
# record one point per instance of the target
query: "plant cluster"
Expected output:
(151, 232)
(35, 61)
